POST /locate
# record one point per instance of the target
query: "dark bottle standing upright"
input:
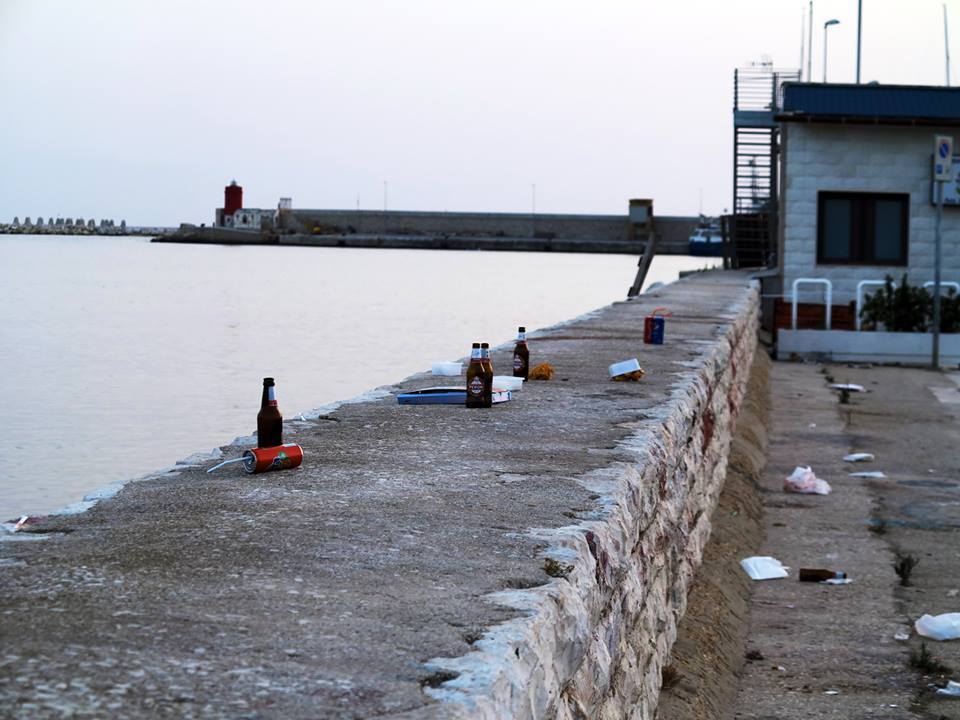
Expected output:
(488, 375)
(269, 419)
(475, 378)
(521, 355)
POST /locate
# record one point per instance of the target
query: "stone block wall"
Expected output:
(594, 647)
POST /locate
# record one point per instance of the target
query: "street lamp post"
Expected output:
(826, 26)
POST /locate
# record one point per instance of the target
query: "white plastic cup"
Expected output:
(507, 382)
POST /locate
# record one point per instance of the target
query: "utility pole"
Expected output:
(533, 210)
(859, 33)
(942, 173)
(936, 280)
(946, 42)
(803, 42)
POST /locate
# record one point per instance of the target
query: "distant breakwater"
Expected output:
(449, 231)
(98, 230)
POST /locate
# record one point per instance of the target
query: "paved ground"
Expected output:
(819, 651)
(321, 592)
(830, 651)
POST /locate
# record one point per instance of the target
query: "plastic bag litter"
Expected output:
(868, 474)
(763, 568)
(939, 627)
(952, 689)
(803, 480)
(859, 457)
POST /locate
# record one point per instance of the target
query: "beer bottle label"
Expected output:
(271, 396)
(475, 386)
(518, 362)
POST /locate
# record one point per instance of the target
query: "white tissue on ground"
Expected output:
(763, 568)
(939, 627)
(803, 480)
(952, 689)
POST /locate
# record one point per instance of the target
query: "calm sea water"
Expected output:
(118, 356)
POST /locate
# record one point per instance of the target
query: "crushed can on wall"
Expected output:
(280, 457)
(653, 326)
(258, 460)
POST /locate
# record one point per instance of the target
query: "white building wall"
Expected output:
(248, 218)
(860, 158)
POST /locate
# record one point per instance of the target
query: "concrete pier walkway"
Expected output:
(332, 590)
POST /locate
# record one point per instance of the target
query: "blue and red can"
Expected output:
(653, 326)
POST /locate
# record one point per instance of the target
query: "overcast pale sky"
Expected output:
(145, 109)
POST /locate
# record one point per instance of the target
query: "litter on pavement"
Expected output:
(939, 627)
(952, 689)
(763, 568)
(849, 387)
(543, 371)
(868, 474)
(859, 457)
(803, 480)
(626, 370)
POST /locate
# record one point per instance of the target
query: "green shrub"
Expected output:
(909, 308)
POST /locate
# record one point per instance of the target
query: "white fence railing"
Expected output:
(811, 281)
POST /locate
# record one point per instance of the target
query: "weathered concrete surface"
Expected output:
(830, 652)
(411, 534)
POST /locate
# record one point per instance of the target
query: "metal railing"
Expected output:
(859, 306)
(761, 88)
(943, 283)
(811, 281)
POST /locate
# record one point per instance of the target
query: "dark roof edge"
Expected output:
(878, 86)
(810, 118)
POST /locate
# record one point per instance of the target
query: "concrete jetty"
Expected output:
(530, 560)
(513, 232)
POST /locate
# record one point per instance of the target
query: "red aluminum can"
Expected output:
(280, 457)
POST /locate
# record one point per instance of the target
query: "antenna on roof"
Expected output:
(946, 42)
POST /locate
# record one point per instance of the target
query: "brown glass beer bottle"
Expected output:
(488, 375)
(521, 355)
(269, 419)
(475, 378)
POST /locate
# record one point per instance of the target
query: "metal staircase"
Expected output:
(752, 228)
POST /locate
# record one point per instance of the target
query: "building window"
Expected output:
(862, 228)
